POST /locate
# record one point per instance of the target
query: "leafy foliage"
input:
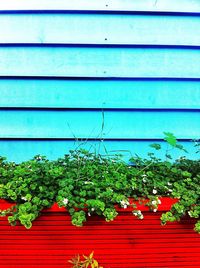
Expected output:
(86, 183)
(85, 262)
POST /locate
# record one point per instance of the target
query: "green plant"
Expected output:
(87, 183)
(85, 262)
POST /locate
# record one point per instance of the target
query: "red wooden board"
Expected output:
(124, 243)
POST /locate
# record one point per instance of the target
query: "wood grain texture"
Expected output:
(125, 94)
(108, 29)
(86, 124)
(99, 62)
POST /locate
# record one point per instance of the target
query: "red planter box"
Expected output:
(126, 242)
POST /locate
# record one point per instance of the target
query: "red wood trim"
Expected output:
(126, 242)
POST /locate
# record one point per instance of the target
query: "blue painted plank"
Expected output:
(99, 62)
(22, 150)
(109, 29)
(99, 93)
(136, 5)
(88, 124)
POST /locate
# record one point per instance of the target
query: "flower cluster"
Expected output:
(124, 203)
(138, 214)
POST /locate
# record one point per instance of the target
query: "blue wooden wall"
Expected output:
(69, 67)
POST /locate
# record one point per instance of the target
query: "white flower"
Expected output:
(154, 202)
(89, 214)
(65, 201)
(144, 180)
(24, 198)
(170, 190)
(169, 183)
(159, 201)
(138, 214)
(88, 182)
(154, 210)
(154, 191)
(144, 175)
(124, 203)
(92, 209)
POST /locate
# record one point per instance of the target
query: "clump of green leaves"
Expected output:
(85, 262)
(89, 184)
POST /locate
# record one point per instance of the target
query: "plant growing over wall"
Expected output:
(86, 183)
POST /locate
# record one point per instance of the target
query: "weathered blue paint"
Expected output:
(99, 62)
(108, 29)
(59, 70)
(99, 93)
(88, 123)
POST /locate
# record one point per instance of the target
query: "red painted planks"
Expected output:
(126, 242)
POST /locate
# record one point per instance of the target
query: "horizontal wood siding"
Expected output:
(119, 124)
(106, 93)
(109, 29)
(77, 61)
(187, 6)
(67, 64)
(21, 150)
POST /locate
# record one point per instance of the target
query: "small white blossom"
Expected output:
(88, 182)
(138, 214)
(159, 201)
(154, 202)
(170, 190)
(92, 209)
(24, 198)
(144, 175)
(124, 203)
(190, 214)
(89, 214)
(169, 183)
(65, 201)
(154, 191)
(154, 210)
(144, 180)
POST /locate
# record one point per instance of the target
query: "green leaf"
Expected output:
(170, 138)
(155, 146)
